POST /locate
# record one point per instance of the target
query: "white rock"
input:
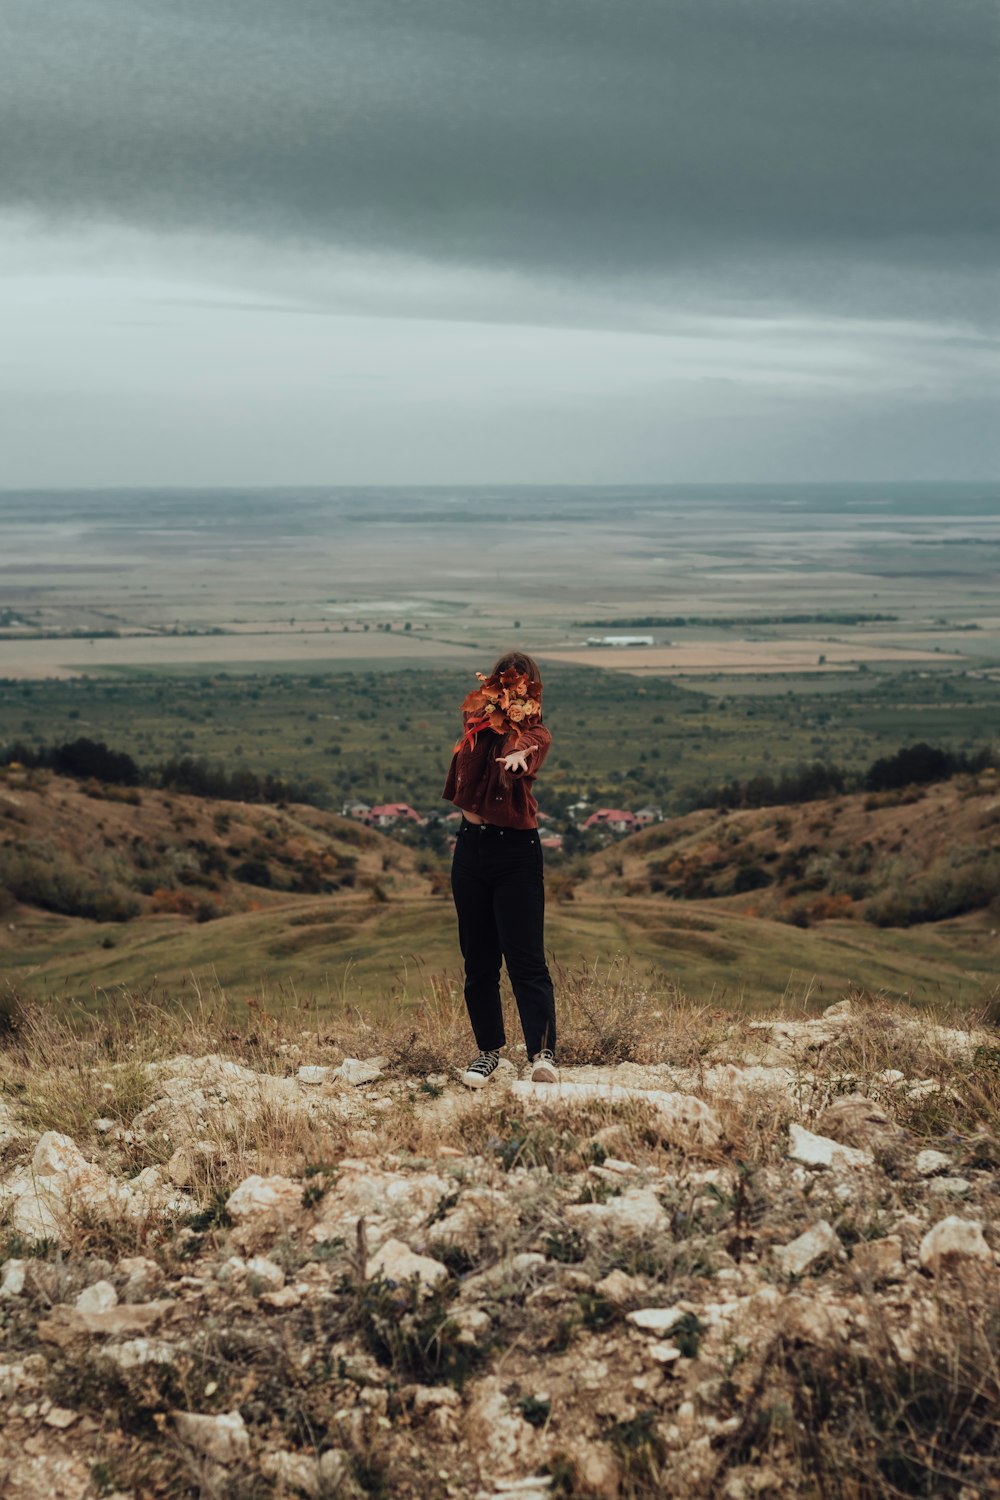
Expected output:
(57, 1156)
(954, 1245)
(223, 1438)
(814, 1245)
(313, 1073)
(265, 1270)
(500, 1441)
(395, 1261)
(820, 1151)
(358, 1070)
(656, 1319)
(428, 1397)
(682, 1119)
(335, 1469)
(930, 1162)
(12, 1281)
(472, 1323)
(286, 1297)
(949, 1187)
(231, 1269)
(292, 1471)
(264, 1195)
(479, 1211)
(97, 1298)
(142, 1277)
(60, 1417)
(102, 1126)
(60, 1185)
(619, 1287)
(664, 1353)
(132, 1353)
(632, 1213)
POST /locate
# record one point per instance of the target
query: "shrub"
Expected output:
(39, 874)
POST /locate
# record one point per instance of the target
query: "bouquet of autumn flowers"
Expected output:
(507, 704)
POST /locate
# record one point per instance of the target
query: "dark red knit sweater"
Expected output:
(475, 783)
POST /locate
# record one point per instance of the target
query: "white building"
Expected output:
(619, 640)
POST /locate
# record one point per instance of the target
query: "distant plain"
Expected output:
(328, 636)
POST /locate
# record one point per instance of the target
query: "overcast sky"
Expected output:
(459, 241)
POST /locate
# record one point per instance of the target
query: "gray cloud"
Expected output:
(839, 152)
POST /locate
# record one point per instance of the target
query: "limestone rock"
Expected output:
(954, 1246)
(395, 1261)
(814, 1320)
(619, 1287)
(131, 1354)
(930, 1162)
(681, 1118)
(142, 1277)
(66, 1323)
(12, 1280)
(635, 1212)
(819, 1151)
(313, 1074)
(387, 1201)
(479, 1211)
(223, 1438)
(879, 1260)
(500, 1440)
(265, 1270)
(427, 1397)
(656, 1319)
(256, 1196)
(235, 1268)
(356, 1070)
(855, 1120)
(293, 1471)
(286, 1297)
(60, 1417)
(663, 1352)
(949, 1187)
(473, 1324)
(61, 1184)
(804, 1252)
(97, 1298)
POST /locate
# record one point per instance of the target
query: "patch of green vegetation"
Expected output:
(409, 1329)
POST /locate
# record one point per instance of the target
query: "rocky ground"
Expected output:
(737, 1258)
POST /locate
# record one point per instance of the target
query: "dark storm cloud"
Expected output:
(780, 141)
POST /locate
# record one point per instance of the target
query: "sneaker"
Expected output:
(543, 1067)
(481, 1070)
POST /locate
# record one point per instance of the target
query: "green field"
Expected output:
(387, 735)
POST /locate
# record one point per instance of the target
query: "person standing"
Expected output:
(497, 874)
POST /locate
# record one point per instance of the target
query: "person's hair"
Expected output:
(520, 661)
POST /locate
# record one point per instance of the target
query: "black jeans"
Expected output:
(497, 880)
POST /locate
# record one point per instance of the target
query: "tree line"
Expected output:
(912, 765)
(86, 759)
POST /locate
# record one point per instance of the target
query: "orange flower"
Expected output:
(501, 703)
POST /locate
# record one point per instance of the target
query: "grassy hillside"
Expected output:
(350, 916)
(892, 859)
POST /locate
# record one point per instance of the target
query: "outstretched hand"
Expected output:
(517, 760)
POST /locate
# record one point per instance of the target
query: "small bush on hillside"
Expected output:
(968, 882)
(39, 874)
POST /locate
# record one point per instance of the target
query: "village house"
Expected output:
(386, 814)
(616, 819)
